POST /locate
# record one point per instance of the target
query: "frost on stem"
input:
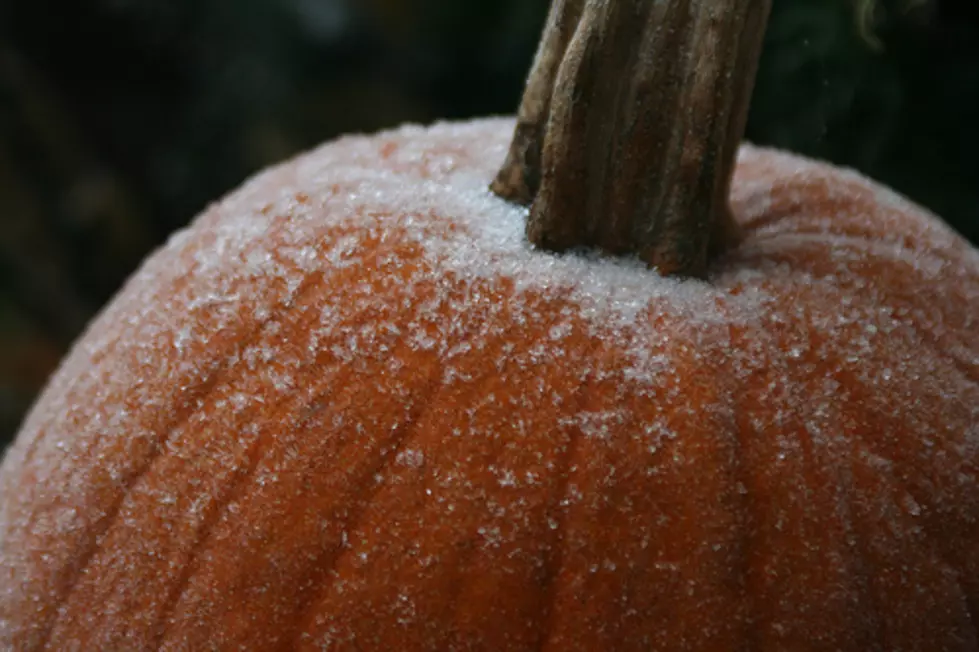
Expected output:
(628, 130)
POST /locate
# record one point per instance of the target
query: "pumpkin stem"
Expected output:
(628, 131)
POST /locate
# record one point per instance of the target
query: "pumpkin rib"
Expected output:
(842, 194)
(928, 244)
(751, 539)
(931, 535)
(552, 589)
(466, 558)
(812, 471)
(178, 418)
(105, 523)
(751, 515)
(821, 464)
(242, 477)
(315, 282)
(890, 477)
(745, 509)
(940, 558)
(556, 550)
(872, 599)
(678, 511)
(845, 216)
(62, 382)
(109, 320)
(823, 469)
(936, 561)
(106, 320)
(558, 547)
(220, 510)
(487, 373)
(786, 242)
(311, 599)
(43, 432)
(371, 473)
(859, 573)
(434, 386)
(969, 369)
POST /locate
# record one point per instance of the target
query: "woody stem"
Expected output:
(628, 130)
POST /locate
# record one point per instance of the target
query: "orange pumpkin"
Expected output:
(351, 408)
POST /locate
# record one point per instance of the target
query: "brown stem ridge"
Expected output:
(628, 131)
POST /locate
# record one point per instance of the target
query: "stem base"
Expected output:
(627, 133)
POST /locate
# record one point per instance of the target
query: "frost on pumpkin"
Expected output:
(351, 406)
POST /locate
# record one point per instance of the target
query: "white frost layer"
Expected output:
(798, 290)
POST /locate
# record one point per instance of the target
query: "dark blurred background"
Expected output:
(121, 119)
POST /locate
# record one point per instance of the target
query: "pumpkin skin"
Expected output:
(349, 408)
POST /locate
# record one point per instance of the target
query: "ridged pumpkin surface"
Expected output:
(350, 408)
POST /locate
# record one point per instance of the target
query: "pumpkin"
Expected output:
(352, 407)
